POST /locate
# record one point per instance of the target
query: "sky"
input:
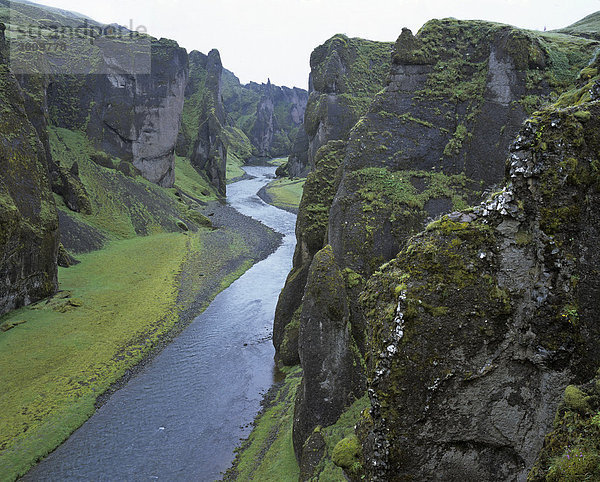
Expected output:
(260, 39)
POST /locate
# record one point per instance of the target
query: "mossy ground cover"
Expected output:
(117, 306)
(571, 450)
(110, 309)
(191, 182)
(336, 437)
(286, 193)
(268, 453)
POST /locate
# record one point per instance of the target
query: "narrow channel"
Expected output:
(182, 416)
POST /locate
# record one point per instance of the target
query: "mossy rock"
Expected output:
(347, 454)
(576, 400)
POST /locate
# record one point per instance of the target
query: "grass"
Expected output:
(333, 434)
(73, 346)
(58, 355)
(191, 182)
(268, 453)
(286, 193)
(234, 167)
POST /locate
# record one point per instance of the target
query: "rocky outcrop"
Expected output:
(209, 154)
(28, 219)
(265, 123)
(133, 116)
(481, 322)
(328, 353)
(311, 227)
(279, 115)
(443, 124)
(431, 142)
(346, 73)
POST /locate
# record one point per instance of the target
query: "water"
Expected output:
(183, 415)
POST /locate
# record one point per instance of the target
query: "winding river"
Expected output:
(182, 416)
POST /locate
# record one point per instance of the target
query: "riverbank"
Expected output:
(116, 309)
(284, 193)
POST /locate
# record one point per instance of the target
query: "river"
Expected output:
(182, 416)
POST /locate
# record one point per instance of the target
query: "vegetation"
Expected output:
(268, 453)
(60, 354)
(285, 193)
(74, 345)
(572, 449)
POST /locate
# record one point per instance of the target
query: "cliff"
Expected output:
(430, 143)
(345, 75)
(126, 92)
(477, 327)
(28, 219)
(209, 153)
(268, 114)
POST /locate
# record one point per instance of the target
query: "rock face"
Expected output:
(28, 219)
(209, 153)
(132, 116)
(268, 114)
(332, 382)
(480, 323)
(443, 123)
(430, 143)
(345, 75)
(311, 226)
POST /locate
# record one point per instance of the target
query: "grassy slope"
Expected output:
(268, 453)
(72, 347)
(113, 307)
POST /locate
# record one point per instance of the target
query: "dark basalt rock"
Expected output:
(477, 327)
(328, 354)
(311, 227)
(209, 154)
(28, 219)
(431, 142)
(135, 117)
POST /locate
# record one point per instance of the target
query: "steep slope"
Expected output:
(209, 152)
(480, 323)
(586, 27)
(125, 91)
(28, 219)
(345, 75)
(268, 114)
(431, 142)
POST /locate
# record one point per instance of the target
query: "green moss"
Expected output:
(575, 400)
(268, 453)
(191, 182)
(79, 345)
(456, 141)
(347, 454)
(571, 451)
(380, 188)
(343, 429)
(285, 193)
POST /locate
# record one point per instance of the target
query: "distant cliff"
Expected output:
(101, 112)
(269, 115)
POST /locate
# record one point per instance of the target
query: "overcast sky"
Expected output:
(258, 39)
